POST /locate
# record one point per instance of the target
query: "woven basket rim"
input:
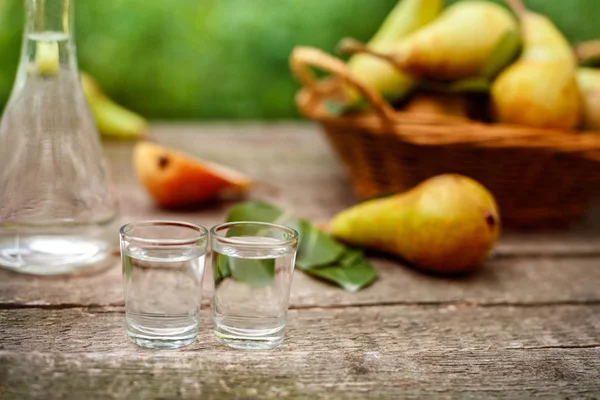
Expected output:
(419, 128)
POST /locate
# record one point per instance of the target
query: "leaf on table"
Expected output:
(253, 272)
(127, 266)
(316, 248)
(221, 268)
(258, 211)
(319, 254)
(351, 257)
(352, 277)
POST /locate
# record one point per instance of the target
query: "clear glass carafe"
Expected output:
(56, 201)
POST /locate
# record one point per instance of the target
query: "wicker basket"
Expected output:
(539, 177)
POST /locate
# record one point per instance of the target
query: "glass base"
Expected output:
(52, 255)
(161, 344)
(156, 336)
(249, 339)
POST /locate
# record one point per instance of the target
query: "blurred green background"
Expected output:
(223, 59)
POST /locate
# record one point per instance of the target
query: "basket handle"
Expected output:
(304, 57)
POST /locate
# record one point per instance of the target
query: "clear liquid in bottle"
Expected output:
(56, 201)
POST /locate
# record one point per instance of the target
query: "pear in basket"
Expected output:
(446, 224)
(459, 44)
(540, 89)
(405, 18)
(589, 84)
(455, 105)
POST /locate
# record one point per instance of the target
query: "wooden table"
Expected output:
(526, 325)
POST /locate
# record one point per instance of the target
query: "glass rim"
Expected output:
(293, 239)
(201, 232)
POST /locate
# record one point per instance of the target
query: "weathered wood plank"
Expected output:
(503, 374)
(500, 281)
(355, 353)
(398, 328)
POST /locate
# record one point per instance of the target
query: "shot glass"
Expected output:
(253, 264)
(163, 265)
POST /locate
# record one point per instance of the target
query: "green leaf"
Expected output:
(316, 248)
(469, 85)
(253, 272)
(318, 253)
(350, 258)
(260, 212)
(351, 277)
(334, 108)
(127, 266)
(221, 268)
(505, 52)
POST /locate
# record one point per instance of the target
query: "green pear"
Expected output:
(405, 18)
(459, 44)
(589, 84)
(540, 89)
(446, 224)
(112, 119)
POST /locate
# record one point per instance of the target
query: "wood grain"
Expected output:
(500, 281)
(525, 325)
(298, 172)
(355, 353)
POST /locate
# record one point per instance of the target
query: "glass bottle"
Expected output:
(56, 201)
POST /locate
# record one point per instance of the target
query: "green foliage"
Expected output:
(191, 59)
(223, 58)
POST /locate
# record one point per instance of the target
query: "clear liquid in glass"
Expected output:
(251, 292)
(163, 293)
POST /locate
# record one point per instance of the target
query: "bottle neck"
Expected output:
(49, 17)
(48, 44)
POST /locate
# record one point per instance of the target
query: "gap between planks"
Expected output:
(119, 307)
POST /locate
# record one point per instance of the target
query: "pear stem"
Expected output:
(350, 46)
(588, 50)
(517, 7)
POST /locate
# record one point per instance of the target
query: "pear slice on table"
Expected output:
(176, 180)
(447, 224)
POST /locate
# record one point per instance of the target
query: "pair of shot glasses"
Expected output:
(163, 270)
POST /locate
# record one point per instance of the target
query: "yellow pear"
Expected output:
(455, 105)
(540, 89)
(446, 224)
(405, 18)
(112, 119)
(459, 44)
(589, 84)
